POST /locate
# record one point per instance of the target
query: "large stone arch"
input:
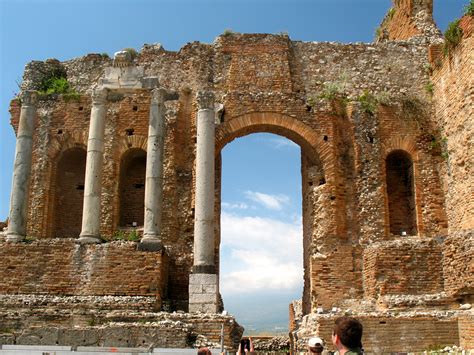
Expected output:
(318, 178)
(311, 144)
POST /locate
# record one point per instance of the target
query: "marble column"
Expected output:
(90, 232)
(22, 168)
(203, 282)
(151, 240)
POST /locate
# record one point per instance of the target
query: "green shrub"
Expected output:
(429, 87)
(383, 98)
(132, 51)
(331, 91)
(368, 102)
(452, 36)
(227, 32)
(391, 13)
(57, 84)
(469, 8)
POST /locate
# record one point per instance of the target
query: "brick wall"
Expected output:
(399, 334)
(267, 83)
(466, 331)
(64, 268)
(458, 264)
(411, 266)
(454, 108)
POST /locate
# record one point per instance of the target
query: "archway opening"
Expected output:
(69, 193)
(400, 193)
(261, 246)
(132, 188)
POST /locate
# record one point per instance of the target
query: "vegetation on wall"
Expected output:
(452, 36)
(133, 53)
(56, 84)
(469, 9)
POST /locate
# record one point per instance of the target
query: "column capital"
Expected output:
(158, 96)
(99, 96)
(29, 98)
(205, 100)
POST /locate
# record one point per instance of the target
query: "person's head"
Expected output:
(347, 333)
(204, 351)
(315, 345)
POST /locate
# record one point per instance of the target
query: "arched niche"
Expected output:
(69, 193)
(400, 193)
(132, 188)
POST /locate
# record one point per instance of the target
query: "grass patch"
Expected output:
(452, 36)
(227, 32)
(131, 236)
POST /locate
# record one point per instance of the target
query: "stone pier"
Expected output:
(203, 282)
(22, 169)
(90, 232)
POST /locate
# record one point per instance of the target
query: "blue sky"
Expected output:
(261, 173)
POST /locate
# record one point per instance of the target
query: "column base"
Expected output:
(86, 239)
(203, 293)
(149, 243)
(14, 238)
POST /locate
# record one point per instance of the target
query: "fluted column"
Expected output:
(90, 232)
(22, 169)
(154, 172)
(203, 282)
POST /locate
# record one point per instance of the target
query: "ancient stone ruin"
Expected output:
(114, 230)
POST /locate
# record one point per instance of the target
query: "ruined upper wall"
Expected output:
(409, 19)
(453, 83)
(275, 63)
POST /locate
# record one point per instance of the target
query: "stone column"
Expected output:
(203, 282)
(22, 169)
(151, 240)
(90, 232)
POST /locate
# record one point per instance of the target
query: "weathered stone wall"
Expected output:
(58, 266)
(343, 150)
(350, 107)
(410, 266)
(108, 321)
(458, 265)
(453, 100)
(391, 333)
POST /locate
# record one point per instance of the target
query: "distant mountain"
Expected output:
(262, 314)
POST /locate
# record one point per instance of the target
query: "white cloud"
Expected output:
(260, 254)
(235, 206)
(281, 142)
(273, 202)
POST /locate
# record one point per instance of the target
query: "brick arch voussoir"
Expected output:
(132, 142)
(64, 142)
(405, 143)
(277, 123)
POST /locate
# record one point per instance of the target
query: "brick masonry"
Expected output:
(355, 204)
(61, 267)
